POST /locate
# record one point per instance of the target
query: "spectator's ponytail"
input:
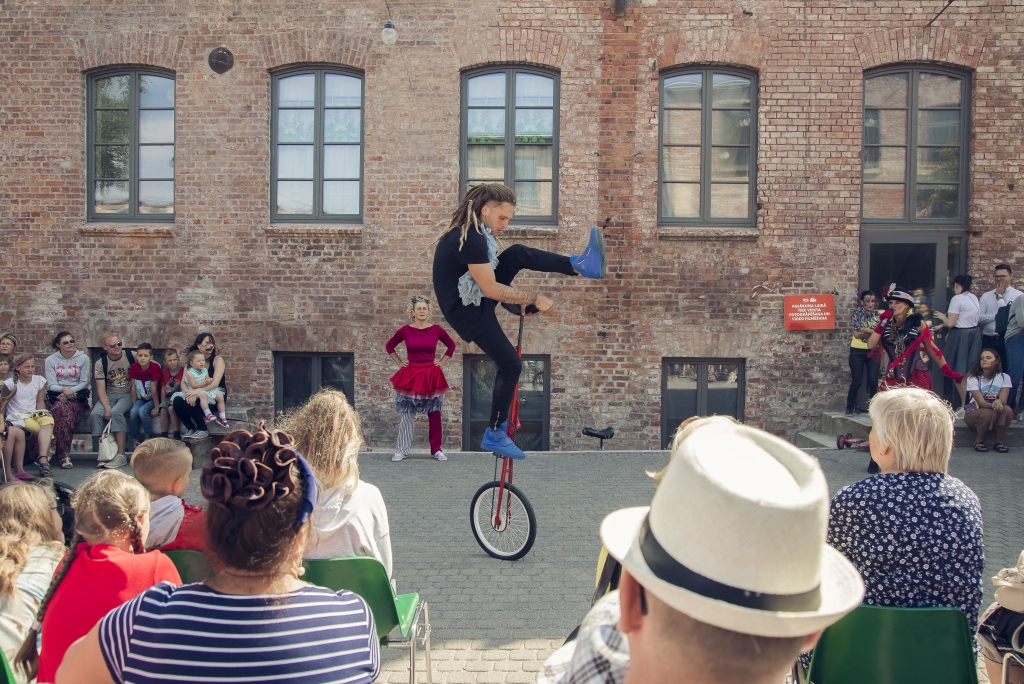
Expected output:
(27, 658)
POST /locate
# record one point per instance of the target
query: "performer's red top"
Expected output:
(421, 345)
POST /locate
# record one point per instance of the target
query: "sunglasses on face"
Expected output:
(68, 342)
(117, 344)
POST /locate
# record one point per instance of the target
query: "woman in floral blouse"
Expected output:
(914, 532)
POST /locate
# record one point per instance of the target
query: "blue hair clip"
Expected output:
(309, 492)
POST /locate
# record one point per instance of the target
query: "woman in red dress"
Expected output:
(419, 383)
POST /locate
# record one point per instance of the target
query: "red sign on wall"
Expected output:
(810, 312)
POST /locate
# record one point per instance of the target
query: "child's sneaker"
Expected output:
(398, 457)
(208, 417)
(222, 420)
(439, 455)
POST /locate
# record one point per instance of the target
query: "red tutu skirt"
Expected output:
(921, 379)
(420, 381)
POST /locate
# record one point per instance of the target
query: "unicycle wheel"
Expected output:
(508, 533)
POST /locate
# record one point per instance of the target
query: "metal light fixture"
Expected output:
(389, 35)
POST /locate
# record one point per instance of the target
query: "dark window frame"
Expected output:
(316, 376)
(910, 220)
(133, 215)
(702, 389)
(510, 70)
(705, 219)
(319, 71)
(467, 444)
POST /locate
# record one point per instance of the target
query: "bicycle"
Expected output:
(501, 516)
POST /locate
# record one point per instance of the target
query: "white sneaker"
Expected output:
(119, 461)
(959, 413)
(1020, 416)
(200, 434)
(440, 456)
(187, 434)
(398, 457)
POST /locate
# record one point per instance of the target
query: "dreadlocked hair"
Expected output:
(107, 509)
(468, 212)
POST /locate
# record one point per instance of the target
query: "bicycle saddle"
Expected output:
(607, 433)
(516, 309)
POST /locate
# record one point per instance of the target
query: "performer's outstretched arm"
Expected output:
(483, 274)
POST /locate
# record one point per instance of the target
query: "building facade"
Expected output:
(734, 152)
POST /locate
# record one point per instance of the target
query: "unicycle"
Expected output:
(501, 516)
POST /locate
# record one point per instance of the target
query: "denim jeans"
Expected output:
(140, 414)
(1015, 364)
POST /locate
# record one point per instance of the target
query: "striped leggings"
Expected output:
(405, 426)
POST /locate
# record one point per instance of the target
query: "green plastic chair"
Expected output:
(8, 675)
(193, 566)
(367, 577)
(881, 645)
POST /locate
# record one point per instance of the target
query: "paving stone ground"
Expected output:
(497, 621)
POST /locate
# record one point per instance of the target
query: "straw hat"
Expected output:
(735, 536)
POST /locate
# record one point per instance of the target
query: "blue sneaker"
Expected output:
(500, 443)
(591, 264)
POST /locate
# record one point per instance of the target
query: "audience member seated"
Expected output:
(106, 565)
(988, 391)
(1001, 622)
(188, 405)
(256, 614)
(145, 377)
(702, 598)
(113, 397)
(67, 394)
(914, 532)
(8, 345)
(31, 546)
(23, 400)
(170, 383)
(350, 518)
(164, 466)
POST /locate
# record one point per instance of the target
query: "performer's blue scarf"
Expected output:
(468, 289)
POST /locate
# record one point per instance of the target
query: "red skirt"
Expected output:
(918, 378)
(420, 381)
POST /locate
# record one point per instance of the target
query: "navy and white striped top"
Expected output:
(194, 634)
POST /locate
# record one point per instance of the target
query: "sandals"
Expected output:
(1001, 448)
(24, 477)
(65, 463)
(44, 467)
(980, 447)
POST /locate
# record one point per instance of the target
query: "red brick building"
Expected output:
(144, 193)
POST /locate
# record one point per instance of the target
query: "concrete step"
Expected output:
(239, 418)
(814, 440)
(859, 425)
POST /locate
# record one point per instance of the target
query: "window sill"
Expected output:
(314, 230)
(698, 233)
(145, 230)
(530, 232)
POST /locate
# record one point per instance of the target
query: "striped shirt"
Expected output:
(194, 634)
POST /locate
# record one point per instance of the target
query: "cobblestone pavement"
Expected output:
(496, 621)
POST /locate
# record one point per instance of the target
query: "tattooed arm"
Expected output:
(483, 274)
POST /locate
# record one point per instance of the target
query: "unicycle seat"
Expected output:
(516, 309)
(607, 433)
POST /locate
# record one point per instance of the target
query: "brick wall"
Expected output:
(261, 287)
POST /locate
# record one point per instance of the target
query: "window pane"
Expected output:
(486, 125)
(938, 127)
(155, 91)
(730, 163)
(294, 197)
(156, 197)
(681, 163)
(531, 388)
(730, 128)
(533, 199)
(936, 201)
(533, 161)
(683, 91)
(730, 91)
(156, 161)
(485, 162)
(730, 200)
(296, 380)
(112, 127)
(534, 91)
(337, 373)
(113, 91)
(938, 164)
(486, 91)
(885, 164)
(534, 125)
(883, 201)
(680, 200)
(341, 161)
(296, 91)
(886, 91)
(342, 91)
(680, 398)
(723, 392)
(341, 197)
(156, 126)
(294, 161)
(111, 197)
(885, 126)
(342, 125)
(111, 161)
(938, 90)
(295, 125)
(682, 127)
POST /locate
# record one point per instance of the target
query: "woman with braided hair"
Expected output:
(471, 277)
(106, 565)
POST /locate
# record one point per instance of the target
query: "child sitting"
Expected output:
(196, 378)
(106, 565)
(145, 375)
(170, 382)
(164, 466)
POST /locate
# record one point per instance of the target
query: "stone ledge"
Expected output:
(314, 230)
(148, 230)
(696, 233)
(526, 232)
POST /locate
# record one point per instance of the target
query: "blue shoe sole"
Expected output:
(600, 249)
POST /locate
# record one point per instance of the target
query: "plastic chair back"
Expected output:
(361, 575)
(7, 674)
(193, 566)
(881, 645)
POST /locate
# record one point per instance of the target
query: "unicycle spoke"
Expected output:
(510, 533)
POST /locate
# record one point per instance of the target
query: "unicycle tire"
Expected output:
(518, 529)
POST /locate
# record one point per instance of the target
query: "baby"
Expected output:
(164, 466)
(196, 378)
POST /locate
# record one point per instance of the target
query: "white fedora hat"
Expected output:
(735, 536)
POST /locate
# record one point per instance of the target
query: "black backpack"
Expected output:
(1002, 319)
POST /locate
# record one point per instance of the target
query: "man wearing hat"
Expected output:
(726, 576)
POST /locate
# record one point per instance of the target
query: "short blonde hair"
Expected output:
(159, 461)
(917, 425)
(327, 432)
(416, 299)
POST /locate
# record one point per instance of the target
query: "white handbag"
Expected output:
(108, 446)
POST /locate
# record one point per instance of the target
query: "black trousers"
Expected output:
(492, 339)
(191, 417)
(859, 362)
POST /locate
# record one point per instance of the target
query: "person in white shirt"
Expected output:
(986, 410)
(991, 302)
(23, 406)
(963, 343)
